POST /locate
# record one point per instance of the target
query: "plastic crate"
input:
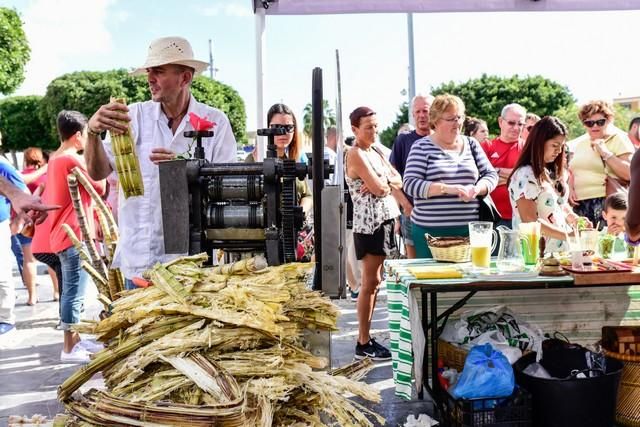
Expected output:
(512, 411)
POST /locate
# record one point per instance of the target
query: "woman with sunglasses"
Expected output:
(288, 146)
(604, 151)
(538, 186)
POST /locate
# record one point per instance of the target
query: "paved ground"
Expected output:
(30, 367)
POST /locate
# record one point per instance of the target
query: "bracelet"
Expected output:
(443, 189)
(92, 132)
(630, 242)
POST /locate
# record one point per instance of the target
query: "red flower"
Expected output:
(200, 123)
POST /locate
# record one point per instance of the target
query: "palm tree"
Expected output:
(329, 117)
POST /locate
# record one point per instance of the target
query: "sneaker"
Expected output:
(6, 330)
(372, 350)
(354, 294)
(91, 346)
(78, 355)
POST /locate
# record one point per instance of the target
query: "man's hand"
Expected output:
(29, 208)
(112, 117)
(161, 154)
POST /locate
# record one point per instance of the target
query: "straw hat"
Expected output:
(171, 50)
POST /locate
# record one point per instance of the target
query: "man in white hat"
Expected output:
(158, 127)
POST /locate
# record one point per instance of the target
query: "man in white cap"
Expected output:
(158, 127)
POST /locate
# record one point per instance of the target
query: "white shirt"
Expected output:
(141, 242)
(330, 155)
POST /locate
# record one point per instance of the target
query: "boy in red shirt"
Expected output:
(503, 152)
(72, 128)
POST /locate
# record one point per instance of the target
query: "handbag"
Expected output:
(613, 184)
(487, 210)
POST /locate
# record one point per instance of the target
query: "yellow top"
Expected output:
(588, 169)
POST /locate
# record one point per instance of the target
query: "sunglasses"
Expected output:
(287, 128)
(514, 123)
(591, 123)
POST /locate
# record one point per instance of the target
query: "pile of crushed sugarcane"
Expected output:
(217, 346)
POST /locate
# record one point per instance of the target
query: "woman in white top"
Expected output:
(538, 186)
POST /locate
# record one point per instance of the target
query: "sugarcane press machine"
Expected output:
(238, 207)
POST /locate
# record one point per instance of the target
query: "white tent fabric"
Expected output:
(316, 7)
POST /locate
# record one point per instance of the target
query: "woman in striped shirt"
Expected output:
(445, 173)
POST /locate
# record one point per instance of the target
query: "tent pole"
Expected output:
(412, 65)
(260, 60)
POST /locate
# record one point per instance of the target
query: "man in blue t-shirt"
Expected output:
(419, 109)
(7, 291)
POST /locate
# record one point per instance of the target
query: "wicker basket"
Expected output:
(449, 249)
(452, 355)
(628, 405)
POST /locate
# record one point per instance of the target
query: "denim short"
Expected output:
(381, 242)
(405, 229)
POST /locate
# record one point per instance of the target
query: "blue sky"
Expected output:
(593, 53)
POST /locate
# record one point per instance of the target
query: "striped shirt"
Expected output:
(428, 163)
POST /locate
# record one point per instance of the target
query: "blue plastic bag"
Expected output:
(487, 373)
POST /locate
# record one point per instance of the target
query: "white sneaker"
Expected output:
(78, 355)
(91, 346)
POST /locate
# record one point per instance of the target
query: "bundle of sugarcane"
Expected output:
(109, 281)
(208, 337)
(127, 164)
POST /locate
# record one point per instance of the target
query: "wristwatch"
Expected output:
(98, 134)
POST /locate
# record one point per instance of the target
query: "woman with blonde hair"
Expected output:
(445, 173)
(603, 153)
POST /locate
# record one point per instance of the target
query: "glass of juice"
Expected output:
(482, 239)
(530, 234)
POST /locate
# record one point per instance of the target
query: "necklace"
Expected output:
(171, 120)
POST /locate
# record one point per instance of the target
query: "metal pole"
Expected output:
(260, 59)
(412, 65)
(210, 61)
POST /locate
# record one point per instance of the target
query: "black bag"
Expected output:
(560, 358)
(488, 211)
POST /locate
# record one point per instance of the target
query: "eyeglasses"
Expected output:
(454, 119)
(513, 123)
(591, 123)
(287, 128)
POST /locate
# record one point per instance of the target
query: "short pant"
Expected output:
(381, 242)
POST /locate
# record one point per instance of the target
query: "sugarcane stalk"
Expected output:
(116, 282)
(127, 164)
(76, 243)
(96, 260)
(112, 228)
(101, 283)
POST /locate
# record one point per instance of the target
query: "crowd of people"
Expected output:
(432, 182)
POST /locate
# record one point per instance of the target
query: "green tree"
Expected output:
(388, 135)
(329, 117)
(21, 126)
(14, 51)
(485, 97)
(86, 91)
